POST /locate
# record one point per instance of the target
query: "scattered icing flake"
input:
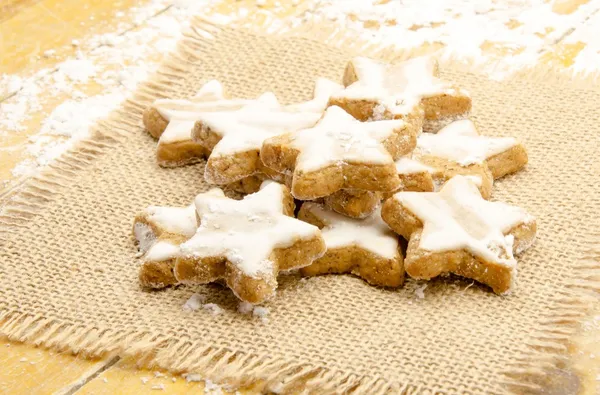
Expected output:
(158, 387)
(257, 311)
(105, 380)
(277, 387)
(192, 377)
(49, 53)
(212, 388)
(173, 379)
(194, 302)
(261, 312)
(145, 380)
(213, 308)
(158, 375)
(23, 360)
(245, 307)
(419, 291)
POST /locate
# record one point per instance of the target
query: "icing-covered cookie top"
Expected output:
(338, 137)
(457, 218)
(247, 231)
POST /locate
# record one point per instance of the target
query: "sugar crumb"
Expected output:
(213, 308)
(194, 302)
(158, 375)
(145, 380)
(212, 388)
(105, 380)
(159, 387)
(261, 312)
(420, 291)
(192, 377)
(23, 360)
(245, 307)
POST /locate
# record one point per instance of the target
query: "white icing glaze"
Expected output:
(245, 231)
(370, 233)
(177, 130)
(460, 143)
(338, 137)
(182, 114)
(408, 165)
(178, 220)
(458, 218)
(162, 251)
(399, 87)
(144, 235)
(324, 89)
(474, 179)
(246, 128)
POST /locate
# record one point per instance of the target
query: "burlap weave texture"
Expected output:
(68, 272)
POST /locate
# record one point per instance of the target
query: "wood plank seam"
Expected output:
(88, 376)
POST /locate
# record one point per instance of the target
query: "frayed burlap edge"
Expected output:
(527, 374)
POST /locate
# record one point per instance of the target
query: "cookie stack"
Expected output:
(332, 183)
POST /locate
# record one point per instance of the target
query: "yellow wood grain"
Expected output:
(10, 8)
(125, 379)
(25, 369)
(52, 25)
(28, 28)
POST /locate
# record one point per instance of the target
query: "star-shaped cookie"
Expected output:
(456, 231)
(376, 90)
(235, 137)
(366, 247)
(158, 232)
(458, 149)
(247, 242)
(340, 152)
(172, 121)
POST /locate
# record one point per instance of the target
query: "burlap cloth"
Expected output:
(68, 272)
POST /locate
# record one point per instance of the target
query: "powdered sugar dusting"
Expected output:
(114, 62)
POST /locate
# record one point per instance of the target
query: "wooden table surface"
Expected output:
(39, 34)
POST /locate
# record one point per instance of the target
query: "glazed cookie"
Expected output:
(458, 149)
(158, 232)
(247, 242)
(354, 203)
(172, 122)
(366, 247)
(456, 231)
(340, 152)
(234, 138)
(252, 183)
(409, 90)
